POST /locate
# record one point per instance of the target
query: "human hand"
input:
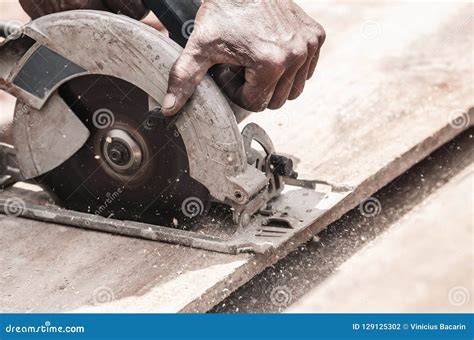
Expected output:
(273, 47)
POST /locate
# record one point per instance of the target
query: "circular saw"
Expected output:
(88, 124)
(88, 128)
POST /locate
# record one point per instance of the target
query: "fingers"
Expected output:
(268, 84)
(303, 72)
(229, 78)
(186, 73)
(285, 84)
(257, 90)
(313, 64)
(321, 34)
(298, 66)
(250, 88)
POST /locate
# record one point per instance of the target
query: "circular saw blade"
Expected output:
(159, 191)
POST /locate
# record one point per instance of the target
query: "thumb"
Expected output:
(186, 73)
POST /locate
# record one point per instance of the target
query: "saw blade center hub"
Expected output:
(121, 152)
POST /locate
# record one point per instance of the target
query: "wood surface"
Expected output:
(422, 264)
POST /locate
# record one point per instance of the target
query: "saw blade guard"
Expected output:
(121, 47)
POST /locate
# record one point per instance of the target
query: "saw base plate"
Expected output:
(292, 212)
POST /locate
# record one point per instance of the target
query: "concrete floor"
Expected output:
(319, 262)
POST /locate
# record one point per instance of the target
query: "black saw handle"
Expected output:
(176, 15)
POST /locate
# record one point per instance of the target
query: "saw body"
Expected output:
(88, 129)
(88, 125)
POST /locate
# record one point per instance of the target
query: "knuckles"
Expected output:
(277, 60)
(274, 63)
(319, 33)
(298, 54)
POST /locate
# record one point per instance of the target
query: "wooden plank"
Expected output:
(422, 264)
(387, 86)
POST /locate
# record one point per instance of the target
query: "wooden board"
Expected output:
(390, 80)
(437, 233)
